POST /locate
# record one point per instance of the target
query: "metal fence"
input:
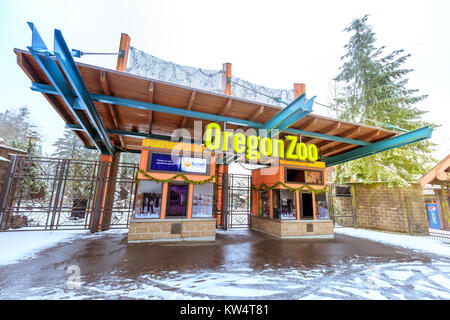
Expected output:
(339, 202)
(341, 211)
(40, 193)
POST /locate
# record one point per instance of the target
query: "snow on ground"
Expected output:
(405, 241)
(356, 277)
(18, 245)
(378, 281)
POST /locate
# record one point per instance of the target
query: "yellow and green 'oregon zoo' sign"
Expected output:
(255, 146)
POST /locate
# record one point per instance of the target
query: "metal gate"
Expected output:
(340, 208)
(233, 201)
(57, 194)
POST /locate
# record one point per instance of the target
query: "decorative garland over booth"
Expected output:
(146, 175)
(316, 191)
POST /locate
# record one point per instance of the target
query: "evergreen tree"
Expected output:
(16, 128)
(70, 147)
(374, 86)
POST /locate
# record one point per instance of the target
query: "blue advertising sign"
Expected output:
(165, 162)
(434, 216)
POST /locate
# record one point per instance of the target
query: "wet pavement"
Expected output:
(239, 265)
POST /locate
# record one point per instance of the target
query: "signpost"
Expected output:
(433, 215)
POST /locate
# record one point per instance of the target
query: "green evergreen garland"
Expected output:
(316, 191)
(146, 175)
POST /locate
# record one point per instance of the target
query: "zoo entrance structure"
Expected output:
(185, 198)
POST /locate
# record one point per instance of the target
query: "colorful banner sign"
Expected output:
(167, 162)
(434, 216)
(195, 165)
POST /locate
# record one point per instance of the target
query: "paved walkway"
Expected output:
(239, 265)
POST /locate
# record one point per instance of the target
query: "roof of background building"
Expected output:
(437, 173)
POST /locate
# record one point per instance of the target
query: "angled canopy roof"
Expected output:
(439, 174)
(112, 111)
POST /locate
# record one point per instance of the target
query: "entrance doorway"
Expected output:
(233, 211)
(306, 208)
(177, 203)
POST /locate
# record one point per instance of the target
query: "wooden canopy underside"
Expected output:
(125, 85)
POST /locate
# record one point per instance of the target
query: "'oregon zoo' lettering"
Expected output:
(254, 146)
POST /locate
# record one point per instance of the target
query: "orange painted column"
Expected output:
(314, 204)
(297, 198)
(190, 198)
(221, 171)
(104, 216)
(101, 193)
(255, 203)
(165, 195)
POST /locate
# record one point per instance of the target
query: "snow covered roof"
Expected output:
(4, 159)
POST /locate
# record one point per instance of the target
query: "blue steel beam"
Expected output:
(285, 113)
(391, 143)
(153, 107)
(132, 134)
(195, 114)
(39, 87)
(299, 114)
(65, 59)
(53, 73)
(326, 137)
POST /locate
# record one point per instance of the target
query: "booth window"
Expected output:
(284, 204)
(322, 206)
(177, 199)
(202, 201)
(264, 202)
(304, 176)
(149, 200)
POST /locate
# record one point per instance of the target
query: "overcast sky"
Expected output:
(272, 43)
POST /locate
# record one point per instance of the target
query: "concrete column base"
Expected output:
(294, 229)
(172, 230)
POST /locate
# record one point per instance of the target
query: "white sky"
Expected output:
(272, 43)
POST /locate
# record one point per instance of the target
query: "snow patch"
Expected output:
(15, 246)
(405, 241)
(398, 275)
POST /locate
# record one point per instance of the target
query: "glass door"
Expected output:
(177, 200)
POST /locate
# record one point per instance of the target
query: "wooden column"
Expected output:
(297, 199)
(314, 204)
(222, 169)
(105, 201)
(226, 85)
(100, 194)
(125, 48)
(164, 200)
(299, 89)
(189, 200)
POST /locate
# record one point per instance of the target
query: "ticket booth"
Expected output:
(286, 199)
(174, 199)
